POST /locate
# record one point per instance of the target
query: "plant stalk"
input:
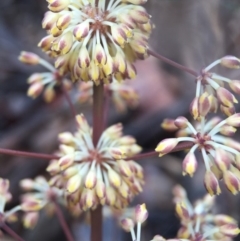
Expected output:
(8, 230)
(27, 154)
(63, 222)
(173, 63)
(98, 128)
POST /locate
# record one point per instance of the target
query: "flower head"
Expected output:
(198, 222)
(95, 40)
(220, 153)
(47, 80)
(99, 174)
(210, 89)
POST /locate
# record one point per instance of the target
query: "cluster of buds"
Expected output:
(198, 222)
(98, 174)
(43, 82)
(210, 90)
(41, 195)
(123, 95)
(140, 216)
(220, 153)
(96, 40)
(5, 197)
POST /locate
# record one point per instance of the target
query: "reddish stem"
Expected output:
(173, 63)
(8, 230)
(27, 154)
(98, 127)
(68, 99)
(63, 222)
(180, 147)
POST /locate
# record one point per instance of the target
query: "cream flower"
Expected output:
(95, 40)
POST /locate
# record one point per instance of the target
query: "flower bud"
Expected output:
(230, 230)
(31, 205)
(124, 168)
(127, 224)
(141, 213)
(100, 55)
(194, 109)
(66, 137)
(94, 72)
(58, 5)
(81, 30)
(66, 161)
(131, 71)
(222, 219)
(204, 104)
(158, 238)
(222, 159)
(234, 120)
(230, 62)
(213, 103)
(228, 130)
(110, 196)
(182, 212)
(69, 172)
(83, 58)
(120, 63)
(64, 44)
(226, 97)
(139, 14)
(64, 21)
(35, 89)
(46, 43)
(181, 122)
(227, 110)
(30, 219)
(91, 180)
(49, 94)
(73, 183)
(211, 183)
(166, 146)
(235, 86)
(108, 68)
(29, 58)
(169, 125)
(189, 164)
(232, 182)
(119, 35)
(114, 178)
(27, 184)
(100, 189)
(49, 20)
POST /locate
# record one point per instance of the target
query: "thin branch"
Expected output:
(69, 101)
(180, 147)
(173, 63)
(28, 154)
(8, 230)
(63, 222)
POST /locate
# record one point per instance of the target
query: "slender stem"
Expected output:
(106, 107)
(173, 63)
(8, 230)
(63, 222)
(180, 147)
(68, 99)
(98, 127)
(27, 154)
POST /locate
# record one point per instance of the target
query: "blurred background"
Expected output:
(191, 32)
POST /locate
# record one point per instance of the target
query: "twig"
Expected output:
(27, 154)
(173, 63)
(8, 230)
(63, 223)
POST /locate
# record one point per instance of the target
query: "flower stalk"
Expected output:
(8, 230)
(98, 127)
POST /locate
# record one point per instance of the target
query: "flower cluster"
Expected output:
(5, 197)
(122, 94)
(38, 81)
(210, 89)
(98, 174)
(41, 195)
(96, 40)
(220, 153)
(198, 222)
